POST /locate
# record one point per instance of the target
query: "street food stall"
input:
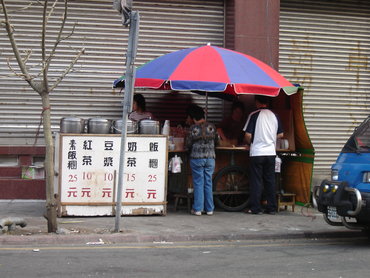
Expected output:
(295, 151)
(87, 167)
(218, 72)
(230, 181)
(213, 72)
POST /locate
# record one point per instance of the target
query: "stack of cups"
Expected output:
(166, 128)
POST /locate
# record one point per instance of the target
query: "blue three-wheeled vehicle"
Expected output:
(345, 199)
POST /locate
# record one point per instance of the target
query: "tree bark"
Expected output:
(51, 204)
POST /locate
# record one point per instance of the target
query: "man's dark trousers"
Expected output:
(262, 176)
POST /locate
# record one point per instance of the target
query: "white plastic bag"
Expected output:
(277, 164)
(175, 164)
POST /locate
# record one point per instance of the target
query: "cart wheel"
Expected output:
(231, 188)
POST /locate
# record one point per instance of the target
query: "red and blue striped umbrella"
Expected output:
(210, 69)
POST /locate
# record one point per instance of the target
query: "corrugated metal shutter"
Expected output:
(325, 46)
(165, 26)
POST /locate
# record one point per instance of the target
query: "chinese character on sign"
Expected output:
(153, 147)
(86, 160)
(132, 147)
(108, 161)
(108, 145)
(130, 193)
(153, 163)
(72, 145)
(131, 162)
(72, 155)
(86, 192)
(72, 165)
(72, 192)
(152, 193)
(87, 145)
(107, 192)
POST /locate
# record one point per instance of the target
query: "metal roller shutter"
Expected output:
(325, 46)
(86, 92)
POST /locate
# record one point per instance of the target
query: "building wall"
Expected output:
(325, 46)
(165, 26)
(253, 27)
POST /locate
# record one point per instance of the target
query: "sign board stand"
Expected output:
(88, 169)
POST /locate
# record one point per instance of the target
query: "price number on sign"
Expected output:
(72, 178)
(152, 178)
(130, 177)
(87, 175)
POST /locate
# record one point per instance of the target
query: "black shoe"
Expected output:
(253, 212)
(272, 212)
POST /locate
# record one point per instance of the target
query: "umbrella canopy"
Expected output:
(210, 69)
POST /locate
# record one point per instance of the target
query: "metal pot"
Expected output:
(132, 127)
(72, 125)
(149, 127)
(99, 126)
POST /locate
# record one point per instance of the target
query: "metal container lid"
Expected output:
(147, 121)
(132, 126)
(120, 122)
(98, 120)
(71, 119)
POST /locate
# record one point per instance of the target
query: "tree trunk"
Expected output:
(51, 205)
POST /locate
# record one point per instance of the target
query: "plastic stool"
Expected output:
(187, 196)
(285, 199)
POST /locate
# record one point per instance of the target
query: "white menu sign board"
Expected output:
(88, 174)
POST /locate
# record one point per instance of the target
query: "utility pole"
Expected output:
(132, 19)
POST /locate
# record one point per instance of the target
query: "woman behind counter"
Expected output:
(139, 109)
(231, 128)
(200, 142)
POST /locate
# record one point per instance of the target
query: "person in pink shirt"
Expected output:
(139, 109)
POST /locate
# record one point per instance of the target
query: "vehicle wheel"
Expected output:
(231, 188)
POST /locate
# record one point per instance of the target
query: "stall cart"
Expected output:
(230, 180)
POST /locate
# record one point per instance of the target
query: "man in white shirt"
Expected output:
(261, 131)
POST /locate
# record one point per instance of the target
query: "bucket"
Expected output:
(149, 127)
(72, 125)
(99, 126)
(132, 127)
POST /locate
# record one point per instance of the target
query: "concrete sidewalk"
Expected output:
(175, 226)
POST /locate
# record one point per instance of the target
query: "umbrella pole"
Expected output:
(206, 114)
